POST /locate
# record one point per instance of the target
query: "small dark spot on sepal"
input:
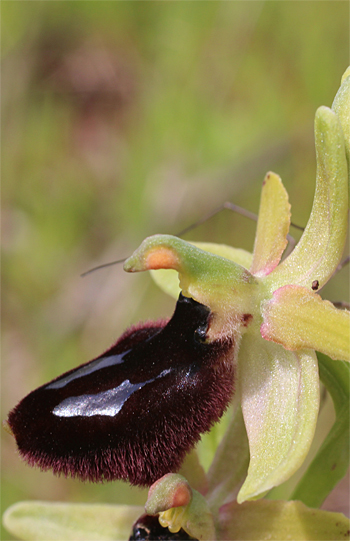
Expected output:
(135, 411)
(148, 528)
(246, 319)
(315, 285)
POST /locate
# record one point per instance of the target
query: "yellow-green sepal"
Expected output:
(280, 521)
(49, 521)
(279, 393)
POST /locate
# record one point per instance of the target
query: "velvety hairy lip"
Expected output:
(135, 411)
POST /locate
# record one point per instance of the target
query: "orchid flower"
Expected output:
(271, 308)
(246, 325)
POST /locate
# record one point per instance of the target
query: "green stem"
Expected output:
(332, 460)
(229, 467)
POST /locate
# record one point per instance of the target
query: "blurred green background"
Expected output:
(125, 119)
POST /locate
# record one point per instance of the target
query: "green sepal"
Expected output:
(47, 521)
(279, 520)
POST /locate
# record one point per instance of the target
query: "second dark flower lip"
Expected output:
(135, 411)
(148, 528)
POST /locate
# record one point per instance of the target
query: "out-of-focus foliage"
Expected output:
(123, 119)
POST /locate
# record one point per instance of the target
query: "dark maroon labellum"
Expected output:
(135, 411)
(148, 528)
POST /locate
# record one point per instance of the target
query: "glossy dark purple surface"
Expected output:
(147, 528)
(135, 411)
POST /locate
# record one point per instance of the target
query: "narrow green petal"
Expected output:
(321, 246)
(341, 106)
(298, 318)
(280, 521)
(168, 279)
(280, 399)
(273, 226)
(45, 521)
(332, 460)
